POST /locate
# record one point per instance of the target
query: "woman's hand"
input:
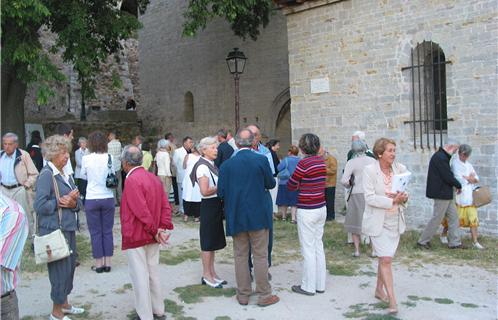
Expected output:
(67, 201)
(75, 194)
(400, 198)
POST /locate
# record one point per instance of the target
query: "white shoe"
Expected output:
(444, 239)
(54, 318)
(73, 310)
(477, 245)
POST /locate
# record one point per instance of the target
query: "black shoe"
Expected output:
(460, 246)
(107, 269)
(320, 291)
(426, 246)
(156, 317)
(99, 269)
(297, 289)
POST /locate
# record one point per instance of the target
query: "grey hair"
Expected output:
(359, 147)
(359, 134)
(244, 142)
(132, 155)
(465, 150)
(162, 144)
(309, 144)
(450, 142)
(205, 142)
(11, 135)
(222, 133)
(54, 145)
(82, 139)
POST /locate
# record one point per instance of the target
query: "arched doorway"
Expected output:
(283, 129)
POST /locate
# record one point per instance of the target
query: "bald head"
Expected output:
(244, 138)
(256, 132)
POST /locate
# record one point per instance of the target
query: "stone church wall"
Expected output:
(361, 46)
(172, 65)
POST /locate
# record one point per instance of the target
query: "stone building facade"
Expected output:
(348, 71)
(185, 83)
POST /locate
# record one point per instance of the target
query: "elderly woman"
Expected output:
(99, 203)
(212, 234)
(383, 219)
(78, 157)
(191, 194)
(163, 163)
(285, 197)
(352, 178)
(309, 179)
(47, 205)
(465, 174)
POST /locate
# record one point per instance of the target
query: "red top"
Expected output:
(144, 209)
(309, 179)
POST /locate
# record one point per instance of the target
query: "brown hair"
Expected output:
(293, 150)
(97, 142)
(380, 146)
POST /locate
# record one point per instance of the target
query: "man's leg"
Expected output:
(242, 276)
(119, 192)
(330, 198)
(139, 274)
(20, 195)
(440, 208)
(175, 190)
(156, 295)
(259, 245)
(453, 225)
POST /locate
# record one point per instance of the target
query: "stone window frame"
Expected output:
(188, 107)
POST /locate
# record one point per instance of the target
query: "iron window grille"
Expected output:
(429, 119)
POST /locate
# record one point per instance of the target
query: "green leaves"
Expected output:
(244, 16)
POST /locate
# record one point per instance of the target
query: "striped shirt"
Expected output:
(13, 234)
(309, 179)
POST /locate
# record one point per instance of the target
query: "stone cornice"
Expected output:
(289, 7)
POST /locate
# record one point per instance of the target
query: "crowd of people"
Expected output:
(232, 186)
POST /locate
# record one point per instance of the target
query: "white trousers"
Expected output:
(310, 223)
(143, 265)
(180, 197)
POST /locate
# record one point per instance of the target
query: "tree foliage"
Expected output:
(245, 16)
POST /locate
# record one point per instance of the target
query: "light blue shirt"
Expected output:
(264, 151)
(7, 174)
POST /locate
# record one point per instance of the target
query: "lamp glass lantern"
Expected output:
(236, 61)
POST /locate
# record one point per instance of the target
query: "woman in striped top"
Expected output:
(309, 179)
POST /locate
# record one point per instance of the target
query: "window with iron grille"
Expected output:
(429, 120)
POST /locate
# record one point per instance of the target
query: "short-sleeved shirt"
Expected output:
(94, 167)
(203, 171)
(13, 234)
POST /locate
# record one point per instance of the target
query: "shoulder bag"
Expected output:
(284, 174)
(111, 181)
(481, 196)
(53, 246)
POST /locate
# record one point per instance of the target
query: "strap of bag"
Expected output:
(214, 182)
(109, 163)
(57, 197)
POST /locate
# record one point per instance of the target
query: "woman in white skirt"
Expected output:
(383, 219)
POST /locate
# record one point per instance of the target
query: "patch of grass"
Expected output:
(364, 285)
(223, 318)
(372, 316)
(359, 310)
(413, 298)
(380, 305)
(195, 293)
(28, 264)
(27, 318)
(426, 298)
(338, 269)
(172, 258)
(443, 301)
(409, 304)
(469, 305)
(367, 273)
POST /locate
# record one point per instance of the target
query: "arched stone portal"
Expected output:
(283, 129)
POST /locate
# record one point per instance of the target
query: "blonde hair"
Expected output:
(380, 146)
(54, 145)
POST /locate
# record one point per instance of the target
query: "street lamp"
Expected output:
(236, 61)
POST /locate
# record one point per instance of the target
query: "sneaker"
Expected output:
(444, 239)
(477, 245)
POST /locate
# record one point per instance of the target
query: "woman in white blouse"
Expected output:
(163, 162)
(99, 204)
(191, 193)
(465, 174)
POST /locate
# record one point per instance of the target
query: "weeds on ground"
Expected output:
(195, 293)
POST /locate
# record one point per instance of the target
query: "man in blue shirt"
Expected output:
(248, 213)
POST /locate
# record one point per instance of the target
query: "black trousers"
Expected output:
(330, 199)
(175, 190)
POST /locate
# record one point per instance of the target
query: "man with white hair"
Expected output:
(359, 135)
(440, 184)
(18, 174)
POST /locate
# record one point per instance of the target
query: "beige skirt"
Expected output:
(386, 243)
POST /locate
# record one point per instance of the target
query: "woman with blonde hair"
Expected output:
(56, 193)
(383, 219)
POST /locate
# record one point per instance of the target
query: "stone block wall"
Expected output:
(361, 46)
(172, 65)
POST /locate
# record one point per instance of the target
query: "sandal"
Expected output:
(185, 218)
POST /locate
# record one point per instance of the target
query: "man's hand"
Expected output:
(162, 236)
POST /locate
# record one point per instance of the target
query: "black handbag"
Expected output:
(111, 181)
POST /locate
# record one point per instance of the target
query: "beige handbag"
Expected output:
(53, 246)
(481, 196)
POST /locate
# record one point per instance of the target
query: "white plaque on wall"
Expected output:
(320, 85)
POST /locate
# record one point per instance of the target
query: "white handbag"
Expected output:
(53, 246)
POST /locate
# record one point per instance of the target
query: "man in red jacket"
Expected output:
(145, 217)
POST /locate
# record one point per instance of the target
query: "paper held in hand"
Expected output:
(400, 181)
